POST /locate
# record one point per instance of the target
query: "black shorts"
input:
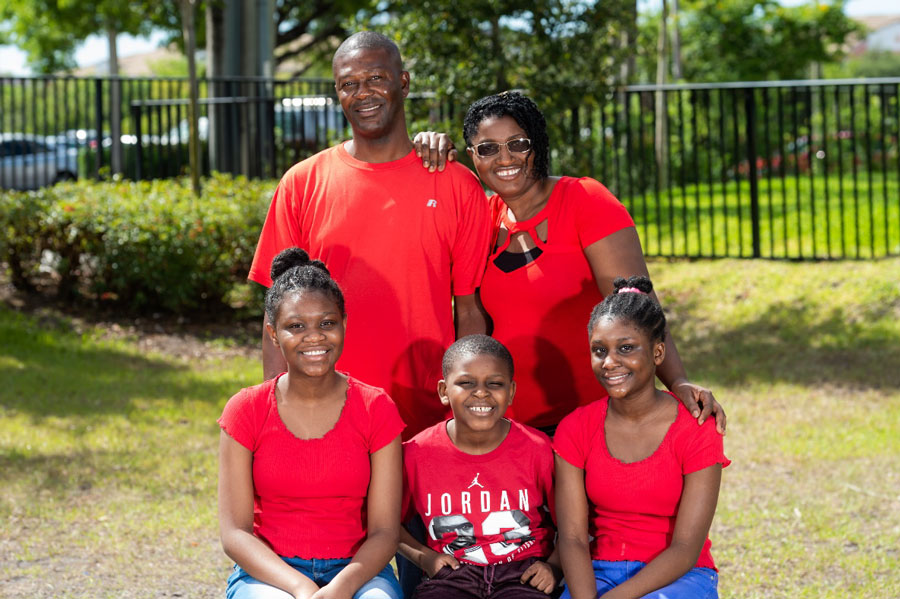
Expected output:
(494, 582)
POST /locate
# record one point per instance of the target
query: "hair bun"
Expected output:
(288, 259)
(637, 282)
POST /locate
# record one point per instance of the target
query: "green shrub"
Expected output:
(148, 245)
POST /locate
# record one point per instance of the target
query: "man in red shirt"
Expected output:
(399, 240)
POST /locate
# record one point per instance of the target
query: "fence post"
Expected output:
(98, 113)
(139, 144)
(750, 110)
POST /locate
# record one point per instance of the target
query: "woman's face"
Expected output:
(309, 329)
(507, 173)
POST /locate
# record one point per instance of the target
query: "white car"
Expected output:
(31, 161)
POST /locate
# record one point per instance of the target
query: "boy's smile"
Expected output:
(478, 389)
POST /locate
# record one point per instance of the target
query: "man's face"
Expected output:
(371, 87)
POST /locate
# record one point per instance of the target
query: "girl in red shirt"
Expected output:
(310, 461)
(637, 480)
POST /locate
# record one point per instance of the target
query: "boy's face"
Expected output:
(478, 389)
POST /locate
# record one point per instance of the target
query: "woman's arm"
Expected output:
(572, 522)
(236, 523)
(695, 514)
(383, 524)
(619, 254)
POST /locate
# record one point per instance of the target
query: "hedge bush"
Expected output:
(148, 246)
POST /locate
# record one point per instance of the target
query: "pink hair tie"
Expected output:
(629, 290)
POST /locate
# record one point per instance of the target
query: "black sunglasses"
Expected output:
(490, 148)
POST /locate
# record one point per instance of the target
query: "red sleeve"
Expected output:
(470, 248)
(240, 417)
(704, 448)
(597, 211)
(570, 441)
(281, 229)
(384, 421)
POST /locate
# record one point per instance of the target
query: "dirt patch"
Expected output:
(180, 336)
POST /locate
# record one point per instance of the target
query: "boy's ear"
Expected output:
(512, 391)
(442, 392)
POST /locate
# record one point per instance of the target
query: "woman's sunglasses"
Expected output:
(490, 148)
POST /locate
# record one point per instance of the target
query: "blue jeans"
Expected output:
(321, 571)
(697, 583)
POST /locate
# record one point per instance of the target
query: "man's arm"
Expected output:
(273, 360)
(470, 316)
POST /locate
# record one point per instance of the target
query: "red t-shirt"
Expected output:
(482, 509)
(633, 505)
(400, 241)
(310, 494)
(540, 310)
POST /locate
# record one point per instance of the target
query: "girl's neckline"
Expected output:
(337, 423)
(662, 442)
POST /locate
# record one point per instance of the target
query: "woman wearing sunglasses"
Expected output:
(558, 243)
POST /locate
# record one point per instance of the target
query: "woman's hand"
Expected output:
(541, 576)
(432, 562)
(435, 149)
(700, 402)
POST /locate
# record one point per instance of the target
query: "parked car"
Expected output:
(308, 121)
(31, 161)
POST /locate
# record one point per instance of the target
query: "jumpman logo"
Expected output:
(475, 481)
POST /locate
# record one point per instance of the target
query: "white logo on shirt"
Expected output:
(431, 203)
(475, 481)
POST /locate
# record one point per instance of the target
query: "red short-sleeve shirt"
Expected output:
(633, 506)
(310, 494)
(540, 310)
(400, 242)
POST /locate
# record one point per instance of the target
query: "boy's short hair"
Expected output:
(476, 345)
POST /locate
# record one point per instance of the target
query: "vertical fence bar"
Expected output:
(840, 163)
(750, 118)
(884, 150)
(868, 100)
(824, 170)
(98, 120)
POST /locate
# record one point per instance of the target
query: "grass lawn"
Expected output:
(108, 466)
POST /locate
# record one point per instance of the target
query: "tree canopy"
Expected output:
(748, 40)
(50, 30)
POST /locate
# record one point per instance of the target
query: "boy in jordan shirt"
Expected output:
(482, 485)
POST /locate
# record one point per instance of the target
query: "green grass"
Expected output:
(830, 217)
(107, 464)
(108, 467)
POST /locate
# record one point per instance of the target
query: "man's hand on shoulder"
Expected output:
(435, 150)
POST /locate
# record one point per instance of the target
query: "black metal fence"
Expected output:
(795, 170)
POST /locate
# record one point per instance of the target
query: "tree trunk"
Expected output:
(190, 46)
(677, 71)
(662, 130)
(629, 40)
(115, 104)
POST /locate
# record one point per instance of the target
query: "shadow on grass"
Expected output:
(52, 371)
(792, 343)
(81, 471)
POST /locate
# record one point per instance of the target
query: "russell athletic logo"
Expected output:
(431, 203)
